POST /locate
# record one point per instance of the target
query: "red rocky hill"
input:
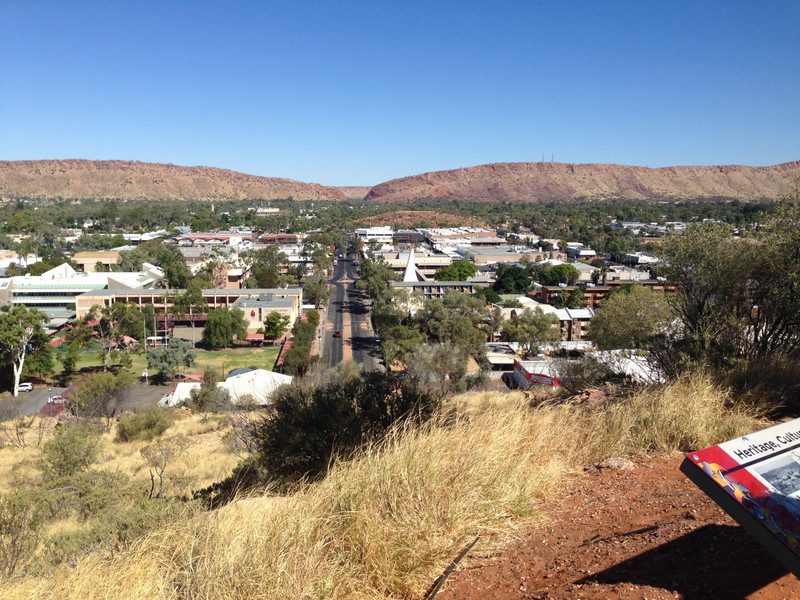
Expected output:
(547, 182)
(128, 180)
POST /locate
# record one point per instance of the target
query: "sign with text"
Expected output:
(756, 480)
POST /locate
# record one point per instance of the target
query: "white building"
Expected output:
(378, 234)
(58, 287)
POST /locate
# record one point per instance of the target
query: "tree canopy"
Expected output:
(222, 326)
(629, 318)
(511, 279)
(460, 270)
(18, 327)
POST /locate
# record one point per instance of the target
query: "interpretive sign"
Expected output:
(756, 480)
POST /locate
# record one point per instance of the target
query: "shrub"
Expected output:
(70, 451)
(146, 425)
(22, 514)
(309, 424)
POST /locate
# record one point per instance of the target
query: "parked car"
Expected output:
(25, 386)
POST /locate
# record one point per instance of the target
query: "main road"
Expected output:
(348, 333)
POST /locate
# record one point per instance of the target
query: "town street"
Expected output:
(348, 313)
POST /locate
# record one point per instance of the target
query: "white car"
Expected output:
(25, 386)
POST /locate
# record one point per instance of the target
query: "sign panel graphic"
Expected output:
(756, 479)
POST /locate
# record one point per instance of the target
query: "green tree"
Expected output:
(511, 279)
(223, 325)
(275, 325)
(460, 270)
(209, 397)
(159, 253)
(315, 420)
(102, 395)
(168, 358)
(399, 343)
(116, 326)
(564, 273)
(19, 326)
(630, 318)
(488, 294)
(532, 329)
(267, 266)
(317, 290)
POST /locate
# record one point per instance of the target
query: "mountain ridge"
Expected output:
(547, 182)
(131, 180)
(494, 182)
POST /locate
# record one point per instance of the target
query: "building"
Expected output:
(580, 253)
(89, 260)
(378, 234)
(256, 309)
(427, 263)
(436, 289)
(594, 295)
(163, 299)
(496, 254)
(60, 287)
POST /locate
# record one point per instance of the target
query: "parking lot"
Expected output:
(28, 403)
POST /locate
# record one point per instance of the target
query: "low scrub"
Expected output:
(146, 425)
(387, 522)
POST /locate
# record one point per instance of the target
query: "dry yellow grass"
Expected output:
(205, 460)
(385, 524)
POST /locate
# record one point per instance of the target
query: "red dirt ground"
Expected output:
(627, 534)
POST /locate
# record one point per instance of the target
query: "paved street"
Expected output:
(348, 313)
(28, 403)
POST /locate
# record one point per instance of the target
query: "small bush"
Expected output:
(70, 451)
(145, 426)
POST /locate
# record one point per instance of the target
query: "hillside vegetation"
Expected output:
(386, 523)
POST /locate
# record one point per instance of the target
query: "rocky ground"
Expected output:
(630, 530)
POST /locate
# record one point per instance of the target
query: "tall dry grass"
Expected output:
(385, 524)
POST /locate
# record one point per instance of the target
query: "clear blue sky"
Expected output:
(356, 93)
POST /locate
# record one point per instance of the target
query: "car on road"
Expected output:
(25, 386)
(337, 333)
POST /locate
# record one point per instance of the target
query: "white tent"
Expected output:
(258, 384)
(253, 386)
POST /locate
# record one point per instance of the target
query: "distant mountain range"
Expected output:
(549, 182)
(501, 182)
(129, 180)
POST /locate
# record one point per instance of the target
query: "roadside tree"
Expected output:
(19, 327)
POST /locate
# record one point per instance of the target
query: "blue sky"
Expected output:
(356, 93)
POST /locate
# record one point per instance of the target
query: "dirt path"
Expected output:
(624, 534)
